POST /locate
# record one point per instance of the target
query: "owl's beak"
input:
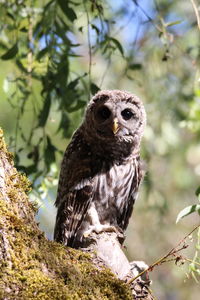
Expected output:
(115, 126)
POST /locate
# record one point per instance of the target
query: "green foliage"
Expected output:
(10, 53)
(194, 267)
(187, 211)
(190, 209)
(46, 77)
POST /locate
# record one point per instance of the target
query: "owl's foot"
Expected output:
(99, 229)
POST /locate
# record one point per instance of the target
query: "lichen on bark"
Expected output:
(32, 267)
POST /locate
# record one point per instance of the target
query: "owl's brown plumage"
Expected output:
(101, 170)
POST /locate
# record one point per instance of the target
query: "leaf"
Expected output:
(20, 66)
(187, 211)
(95, 28)
(68, 11)
(24, 29)
(94, 88)
(28, 170)
(192, 267)
(73, 84)
(10, 53)
(71, 14)
(135, 66)
(173, 23)
(61, 32)
(197, 193)
(42, 53)
(64, 125)
(74, 55)
(118, 45)
(80, 104)
(49, 153)
(10, 15)
(45, 112)
(75, 45)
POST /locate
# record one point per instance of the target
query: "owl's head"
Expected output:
(115, 117)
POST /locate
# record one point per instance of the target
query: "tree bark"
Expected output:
(32, 267)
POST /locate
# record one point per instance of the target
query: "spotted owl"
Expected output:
(101, 169)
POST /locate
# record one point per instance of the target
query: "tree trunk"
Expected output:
(32, 267)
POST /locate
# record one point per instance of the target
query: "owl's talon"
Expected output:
(89, 231)
(86, 234)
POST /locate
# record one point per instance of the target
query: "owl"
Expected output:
(101, 169)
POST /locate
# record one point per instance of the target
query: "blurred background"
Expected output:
(56, 54)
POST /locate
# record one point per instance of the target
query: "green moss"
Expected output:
(35, 268)
(3, 147)
(69, 275)
(2, 142)
(20, 181)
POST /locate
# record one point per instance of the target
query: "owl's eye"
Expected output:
(127, 114)
(104, 113)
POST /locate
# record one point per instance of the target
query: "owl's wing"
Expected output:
(75, 192)
(127, 209)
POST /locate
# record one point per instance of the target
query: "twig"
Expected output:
(173, 251)
(30, 52)
(147, 16)
(191, 261)
(105, 72)
(151, 293)
(89, 47)
(196, 12)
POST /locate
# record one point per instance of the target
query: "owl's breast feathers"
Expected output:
(89, 180)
